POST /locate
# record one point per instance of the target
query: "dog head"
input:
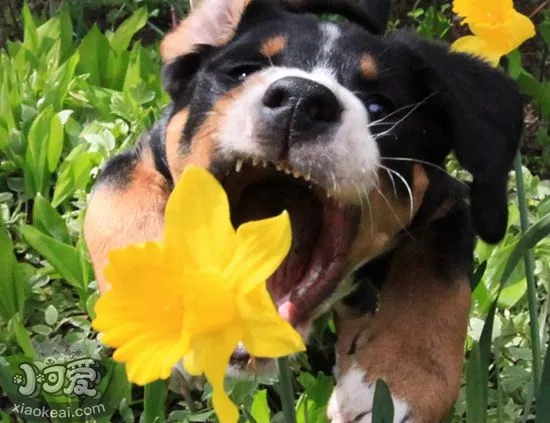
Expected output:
(329, 121)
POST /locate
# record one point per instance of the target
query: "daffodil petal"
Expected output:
(213, 353)
(478, 47)
(266, 333)
(197, 230)
(192, 365)
(261, 247)
(148, 359)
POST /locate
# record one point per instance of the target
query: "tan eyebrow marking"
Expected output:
(368, 66)
(273, 46)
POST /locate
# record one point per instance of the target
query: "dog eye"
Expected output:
(378, 106)
(241, 72)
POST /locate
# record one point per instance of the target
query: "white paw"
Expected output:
(352, 400)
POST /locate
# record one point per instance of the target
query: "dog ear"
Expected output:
(371, 14)
(482, 113)
(211, 24)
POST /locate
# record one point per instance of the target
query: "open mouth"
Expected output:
(322, 231)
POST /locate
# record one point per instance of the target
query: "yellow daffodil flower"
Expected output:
(497, 27)
(198, 293)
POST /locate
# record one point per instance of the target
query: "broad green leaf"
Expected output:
(512, 293)
(93, 51)
(317, 390)
(12, 298)
(22, 336)
(260, 408)
(382, 410)
(529, 239)
(48, 221)
(37, 173)
(133, 72)
(51, 315)
(114, 386)
(30, 37)
(74, 174)
(120, 40)
(55, 143)
(60, 82)
(514, 64)
(64, 258)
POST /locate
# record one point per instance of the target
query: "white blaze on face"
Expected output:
(348, 159)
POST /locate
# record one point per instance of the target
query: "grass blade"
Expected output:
(543, 397)
(154, 402)
(286, 390)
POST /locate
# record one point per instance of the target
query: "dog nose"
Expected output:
(301, 104)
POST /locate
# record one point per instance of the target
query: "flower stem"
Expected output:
(530, 275)
(286, 390)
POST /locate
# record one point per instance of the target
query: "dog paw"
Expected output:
(353, 397)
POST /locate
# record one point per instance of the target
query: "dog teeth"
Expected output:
(264, 163)
(296, 174)
(255, 162)
(238, 165)
(287, 171)
(308, 177)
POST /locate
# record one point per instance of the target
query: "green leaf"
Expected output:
(154, 402)
(48, 221)
(43, 152)
(22, 336)
(514, 64)
(122, 37)
(382, 411)
(260, 408)
(12, 299)
(529, 239)
(74, 174)
(93, 51)
(30, 37)
(55, 143)
(60, 82)
(477, 372)
(51, 315)
(313, 406)
(64, 258)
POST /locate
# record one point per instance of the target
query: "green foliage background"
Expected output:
(73, 94)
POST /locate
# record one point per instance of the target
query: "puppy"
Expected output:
(348, 130)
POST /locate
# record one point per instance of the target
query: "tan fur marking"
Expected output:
(415, 341)
(204, 143)
(387, 215)
(368, 66)
(174, 133)
(273, 46)
(212, 22)
(126, 215)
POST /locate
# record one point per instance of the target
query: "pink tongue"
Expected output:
(287, 310)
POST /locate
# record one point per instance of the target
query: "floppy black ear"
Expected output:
(482, 111)
(371, 14)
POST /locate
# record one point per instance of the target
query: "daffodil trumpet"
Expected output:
(198, 293)
(497, 28)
